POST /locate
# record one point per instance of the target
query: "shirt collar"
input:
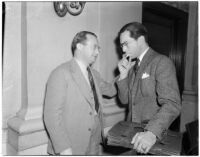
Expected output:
(142, 55)
(81, 65)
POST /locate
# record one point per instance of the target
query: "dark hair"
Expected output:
(136, 30)
(80, 37)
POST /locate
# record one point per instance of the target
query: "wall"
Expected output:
(12, 62)
(41, 41)
(11, 98)
(53, 47)
(114, 15)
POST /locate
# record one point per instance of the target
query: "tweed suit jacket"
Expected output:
(153, 94)
(69, 108)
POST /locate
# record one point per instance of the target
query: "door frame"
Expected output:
(179, 42)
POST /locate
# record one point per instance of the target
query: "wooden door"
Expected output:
(167, 34)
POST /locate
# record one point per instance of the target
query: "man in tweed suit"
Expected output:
(148, 85)
(72, 117)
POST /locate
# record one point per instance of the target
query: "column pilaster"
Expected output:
(26, 134)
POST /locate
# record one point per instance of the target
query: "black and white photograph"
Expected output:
(100, 78)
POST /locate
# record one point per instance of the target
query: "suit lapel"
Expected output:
(81, 81)
(144, 63)
(100, 112)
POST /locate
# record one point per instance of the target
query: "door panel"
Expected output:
(164, 38)
(167, 34)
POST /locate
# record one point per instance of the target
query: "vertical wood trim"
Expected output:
(24, 91)
(189, 60)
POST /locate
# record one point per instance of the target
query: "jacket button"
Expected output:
(90, 113)
(89, 129)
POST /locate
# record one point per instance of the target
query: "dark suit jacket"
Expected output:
(153, 94)
(69, 108)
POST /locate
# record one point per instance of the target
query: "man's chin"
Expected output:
(133, 57)
(92, 62)
(129, 55)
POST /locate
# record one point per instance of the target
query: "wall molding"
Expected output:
(27, 136)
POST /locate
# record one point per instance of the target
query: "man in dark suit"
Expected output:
(148, 85)
(73, 101)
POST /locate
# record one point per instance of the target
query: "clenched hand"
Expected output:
(143, 141)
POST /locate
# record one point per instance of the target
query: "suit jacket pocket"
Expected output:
(147, 86)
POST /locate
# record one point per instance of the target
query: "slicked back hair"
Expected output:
(136, 30)
(80, 37)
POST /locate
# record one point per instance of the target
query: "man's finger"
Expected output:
(134, 138)
(147, 149)
(140, 148)
(123, 66)
(129, 62)
(137, 141)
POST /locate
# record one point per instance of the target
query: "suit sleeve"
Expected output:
(168, 97)
(122, 86)
(107, 88)
(54, 101)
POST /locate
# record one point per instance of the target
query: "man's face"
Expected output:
(90, 49)
(129, 45)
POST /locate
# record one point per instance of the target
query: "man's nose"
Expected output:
(97, 51)
(124, 49)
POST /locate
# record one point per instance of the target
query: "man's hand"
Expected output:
(143, 141)
(66, 152)
(124, 66)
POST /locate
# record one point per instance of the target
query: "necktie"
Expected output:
(136, 66)
(93, 89)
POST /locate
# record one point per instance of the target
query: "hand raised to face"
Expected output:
(124, 66)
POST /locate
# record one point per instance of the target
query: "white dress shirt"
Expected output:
(142, 55)
(83, 68)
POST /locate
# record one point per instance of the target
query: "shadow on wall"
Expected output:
(119, 53)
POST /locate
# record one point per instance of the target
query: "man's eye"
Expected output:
(124, 44)
(97, 48)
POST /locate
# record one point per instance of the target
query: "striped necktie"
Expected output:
(136, 66)
(93, 89)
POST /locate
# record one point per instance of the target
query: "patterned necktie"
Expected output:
(93, 89)
(136, 66)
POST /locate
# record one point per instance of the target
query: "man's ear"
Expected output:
(141, 40)
(79, 46)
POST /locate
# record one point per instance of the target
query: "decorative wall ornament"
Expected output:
(74, 7)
